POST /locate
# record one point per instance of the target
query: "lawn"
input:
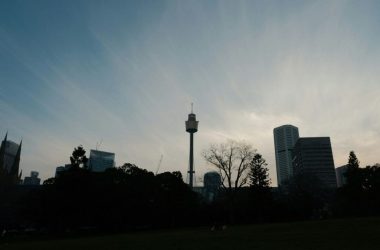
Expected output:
(363, 233)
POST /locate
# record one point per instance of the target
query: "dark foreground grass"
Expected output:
(358, 234)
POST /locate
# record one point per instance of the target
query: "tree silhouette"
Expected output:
(353, 161)
(78, 158)
(353, 174)
(232, 162)
(361, 195)
(306, 195)
(232, 159)
(258, 175)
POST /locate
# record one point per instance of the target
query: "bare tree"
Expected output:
(232, 159)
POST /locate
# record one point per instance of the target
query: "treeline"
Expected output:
(124, 198)
(131, 198)
(360, 196)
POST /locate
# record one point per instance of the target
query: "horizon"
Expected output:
(123, 74)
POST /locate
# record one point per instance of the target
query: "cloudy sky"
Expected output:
(125, 73)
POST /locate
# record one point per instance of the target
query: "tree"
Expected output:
(178, 174)
(306, 195)
(232, 160)
(353, 173)
(49, 181)
(260, 197)
(353, 161)
(258, 175)
(78, 158)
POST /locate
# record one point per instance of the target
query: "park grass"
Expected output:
(357, 233)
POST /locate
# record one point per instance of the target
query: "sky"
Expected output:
(124, 73)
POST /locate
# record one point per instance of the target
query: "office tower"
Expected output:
(33, 179)
(212, 182)
(313, 156)
(191, 127)
(10, 153)
(61, 169)
(284, 139)
(341, 178)
(100, 161)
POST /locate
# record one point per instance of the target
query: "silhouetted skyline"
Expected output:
(125, 73)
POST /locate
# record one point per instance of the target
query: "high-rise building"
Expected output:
(212, 183)
(100, 161)
(341, 178)
(33, 179)
(61, 169)
(313, 156)
(10, 153)
(285, 138)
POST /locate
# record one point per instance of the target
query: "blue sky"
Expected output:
(125, 72)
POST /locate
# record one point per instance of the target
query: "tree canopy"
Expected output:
(78, 158)
(232, 160)
(353, 161)
(353, 171)
(258, 175)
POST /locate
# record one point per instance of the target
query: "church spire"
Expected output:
(16, 165)
(3, 144)
(2, 150)
(3, 172)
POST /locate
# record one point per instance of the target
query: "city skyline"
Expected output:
(125, 73)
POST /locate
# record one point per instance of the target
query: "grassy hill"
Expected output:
(362, 233)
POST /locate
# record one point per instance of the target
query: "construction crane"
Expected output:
(159, 164)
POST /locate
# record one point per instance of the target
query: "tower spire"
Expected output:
(192, 106)
(6, 136)
(2, 151)
(14, 172)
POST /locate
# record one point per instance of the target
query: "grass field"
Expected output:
(345, 234)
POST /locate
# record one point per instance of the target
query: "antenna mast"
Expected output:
(98, 144)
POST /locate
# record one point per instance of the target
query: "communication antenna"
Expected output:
(98, 144)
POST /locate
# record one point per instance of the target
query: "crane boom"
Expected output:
(159, 164)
